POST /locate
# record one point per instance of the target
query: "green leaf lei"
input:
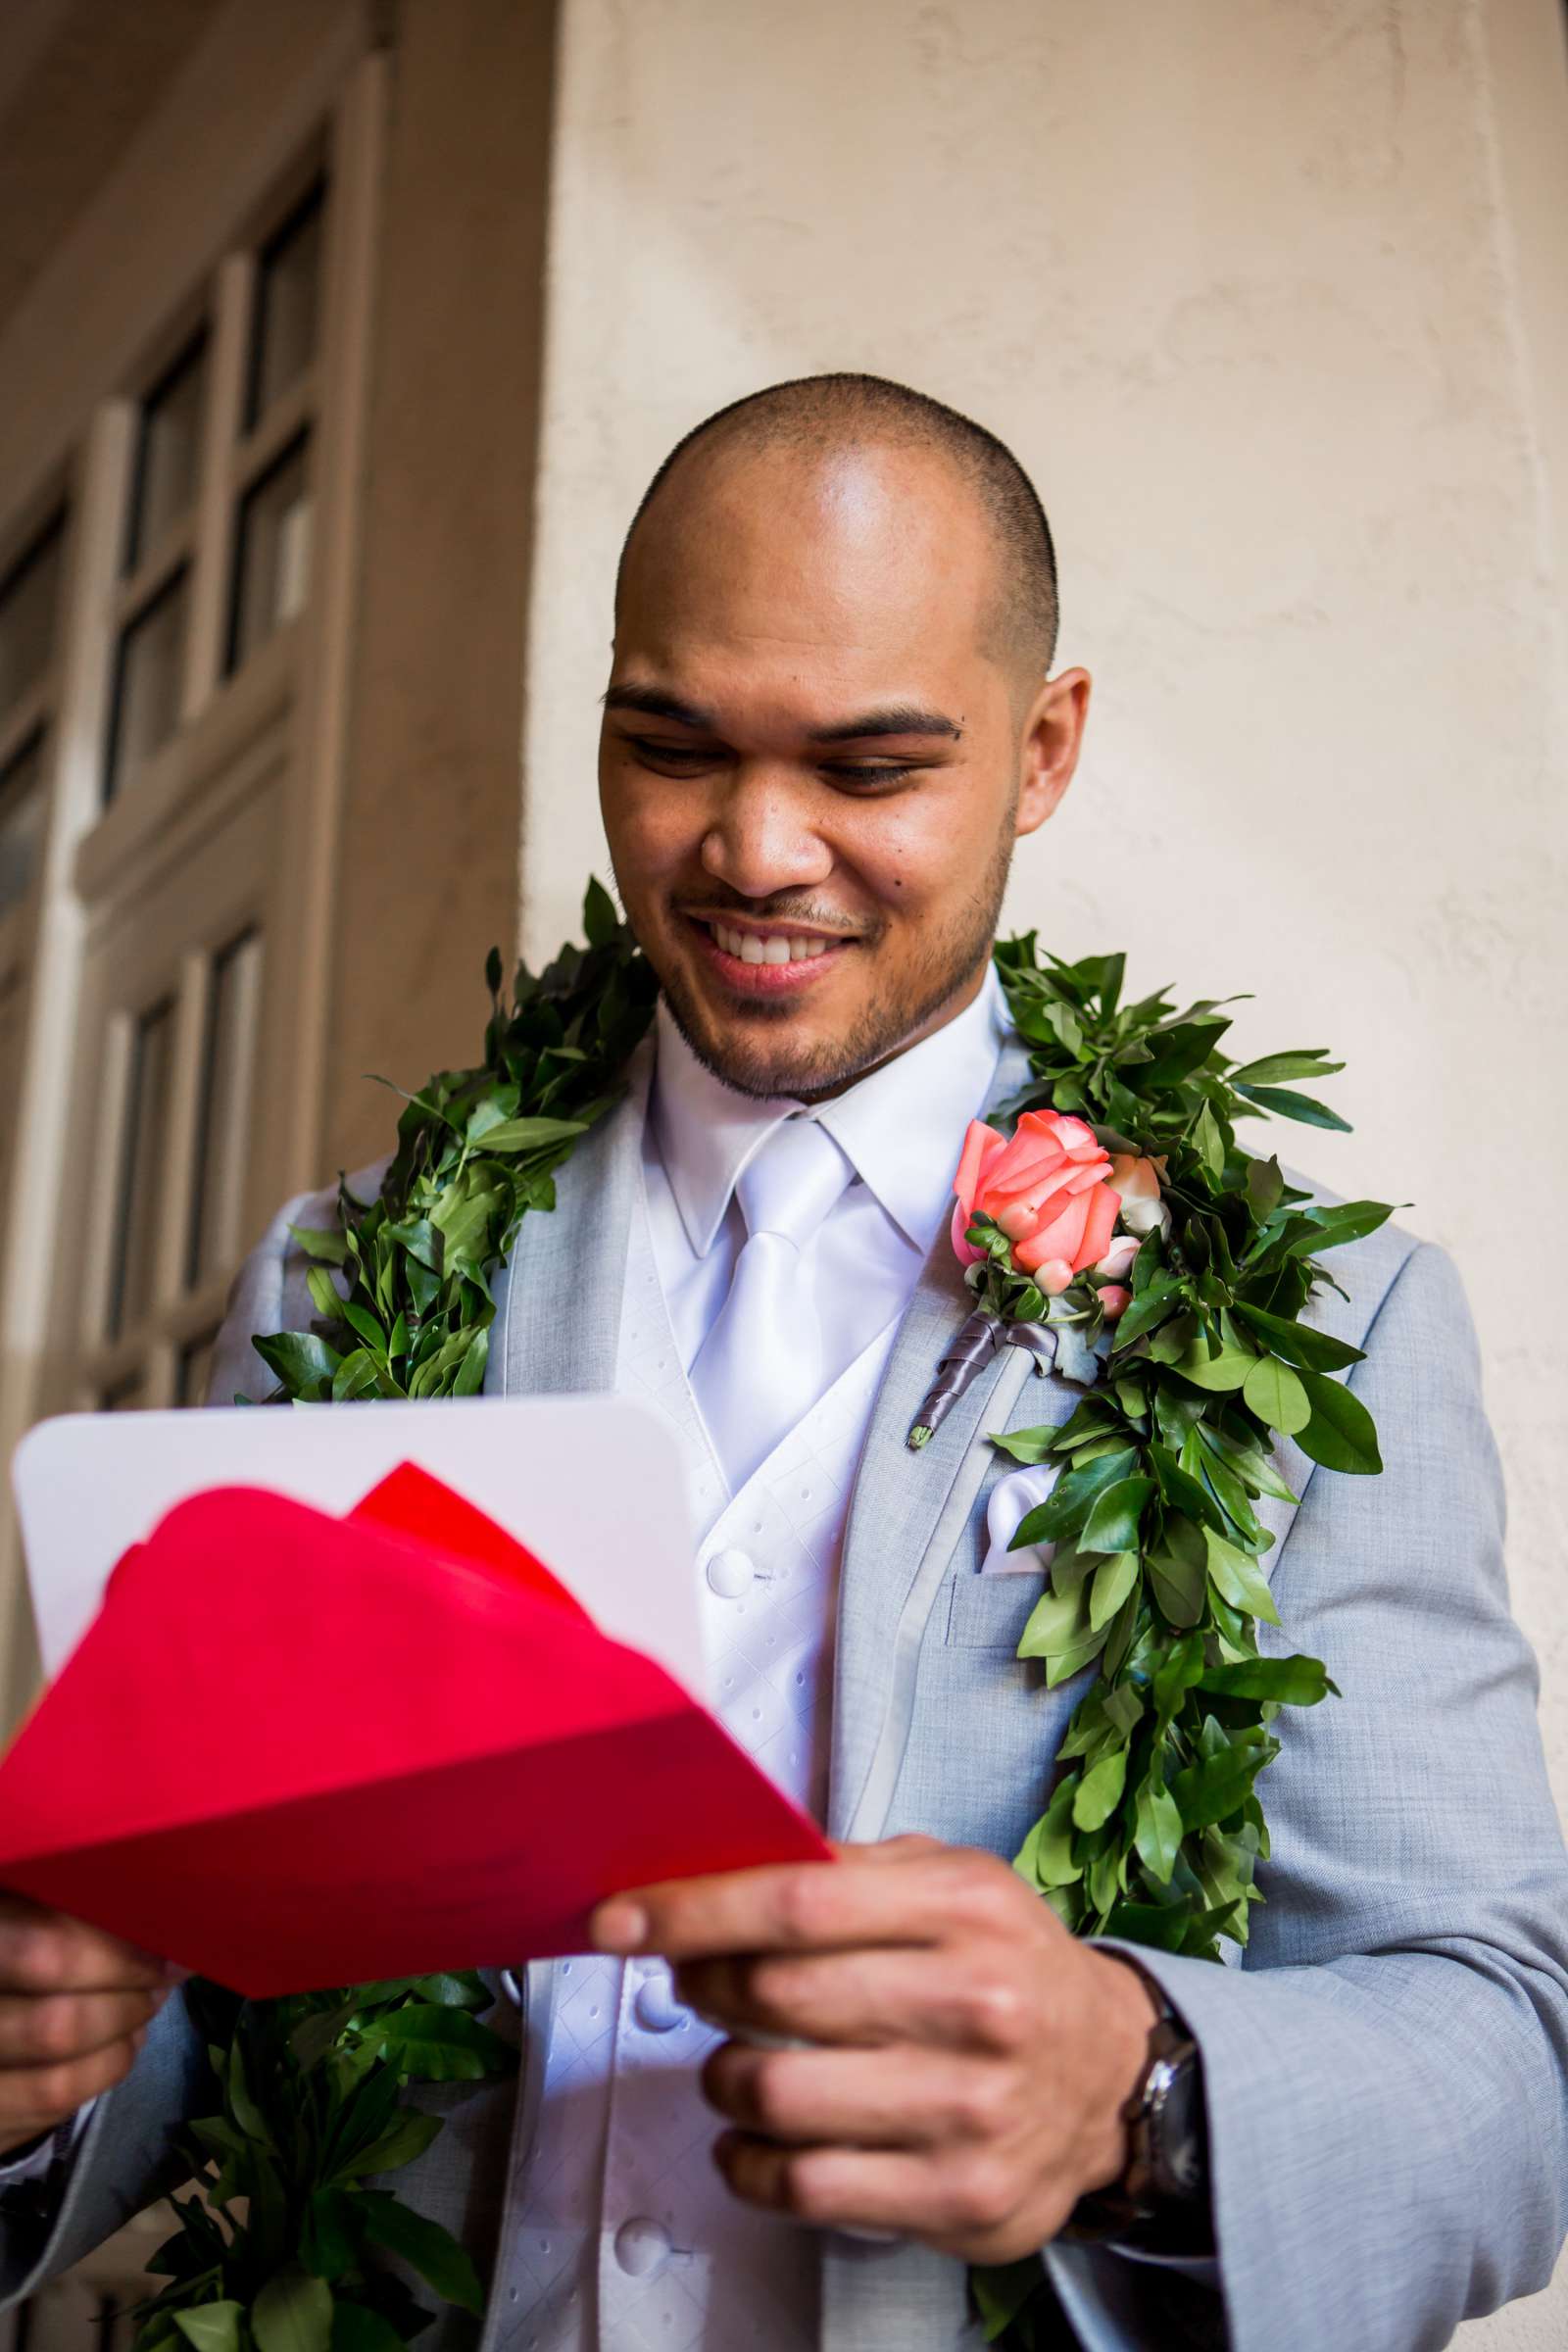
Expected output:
(1154, 1829)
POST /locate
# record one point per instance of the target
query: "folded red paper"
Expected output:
(294, 1751)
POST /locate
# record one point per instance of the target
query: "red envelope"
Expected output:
(295, 1752)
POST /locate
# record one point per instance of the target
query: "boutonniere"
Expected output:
(1046, 1225)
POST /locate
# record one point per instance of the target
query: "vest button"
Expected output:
(641, 2245)
(655, 2007)
(731, 1573)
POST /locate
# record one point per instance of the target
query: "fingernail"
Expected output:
(619, 1927)
(175, 1974)
(138, 2037)
(160, 1996)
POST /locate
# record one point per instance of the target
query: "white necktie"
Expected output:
(761, 1368)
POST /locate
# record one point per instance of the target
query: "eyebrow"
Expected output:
(898, 718)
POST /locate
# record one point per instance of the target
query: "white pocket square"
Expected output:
(1011, 1498)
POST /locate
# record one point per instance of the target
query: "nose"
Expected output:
(764, 838)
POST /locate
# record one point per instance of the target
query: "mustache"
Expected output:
(785, 906)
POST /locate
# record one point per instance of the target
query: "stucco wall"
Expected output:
(1261, 293)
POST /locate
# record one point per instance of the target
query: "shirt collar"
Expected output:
(901, 1128)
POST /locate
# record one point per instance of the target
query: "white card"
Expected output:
(592, 1485)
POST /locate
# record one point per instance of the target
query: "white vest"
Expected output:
(624, 2233)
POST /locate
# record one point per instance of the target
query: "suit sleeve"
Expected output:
(125, 2156)
(1386, 2074)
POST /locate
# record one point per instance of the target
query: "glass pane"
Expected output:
(288, 276)
(23, 809)
(273, 554)
(127, 1396)
(147, 682)
(141, 1170)
(230, 1062)
(169, 452)
(194, 1370)
(28, 599)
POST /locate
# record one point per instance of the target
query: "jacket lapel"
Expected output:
(907, 1515)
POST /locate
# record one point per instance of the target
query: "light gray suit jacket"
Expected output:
(1387, 2073)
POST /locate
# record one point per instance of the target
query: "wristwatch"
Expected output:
(1160, 2203)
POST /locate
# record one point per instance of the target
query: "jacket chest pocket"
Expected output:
(990, 1613)
(979, 1760)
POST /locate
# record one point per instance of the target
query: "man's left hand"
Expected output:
(968, 2055)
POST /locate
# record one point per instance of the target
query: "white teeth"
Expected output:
(750, 948)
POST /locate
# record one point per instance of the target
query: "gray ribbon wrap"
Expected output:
(975, 1342)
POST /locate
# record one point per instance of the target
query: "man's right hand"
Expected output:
(74, 2008)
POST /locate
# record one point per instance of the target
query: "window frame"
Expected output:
(262, 748)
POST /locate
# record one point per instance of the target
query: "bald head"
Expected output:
(828, 430)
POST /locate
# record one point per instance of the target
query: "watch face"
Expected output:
(1180, 2133)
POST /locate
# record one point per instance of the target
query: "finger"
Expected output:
(859, 2098)
(871, 2000)
(45, 1951)
(36, 2098)
(45, 2029)
(954, 2206)
(904, 1848)
(811, 1906)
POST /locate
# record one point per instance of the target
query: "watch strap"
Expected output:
(1146, 2204)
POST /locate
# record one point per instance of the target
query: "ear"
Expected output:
(1048, 753)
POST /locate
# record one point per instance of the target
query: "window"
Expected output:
(30, 602)
(166, 744)
(141, 1170)
(29, 599)
(169, 444)
(272, 556)
(149, 661)
(178, 1079)
(229, 1060)
(217, 497)
(283, 334)
(23, 811)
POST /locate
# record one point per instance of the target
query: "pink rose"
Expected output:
(1048, 1190)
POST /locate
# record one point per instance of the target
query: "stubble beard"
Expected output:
(807, 1073)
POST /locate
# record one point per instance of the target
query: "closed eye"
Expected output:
(689, 759)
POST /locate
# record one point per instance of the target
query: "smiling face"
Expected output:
(817, 754)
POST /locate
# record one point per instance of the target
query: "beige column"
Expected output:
(428, 857)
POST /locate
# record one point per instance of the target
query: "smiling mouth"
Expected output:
(767, 946)
(768, 956)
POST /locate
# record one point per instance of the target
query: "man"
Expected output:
(830, 714)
